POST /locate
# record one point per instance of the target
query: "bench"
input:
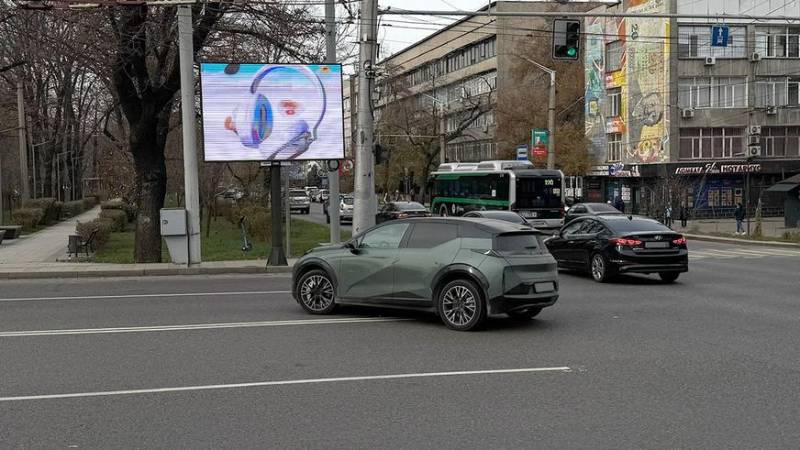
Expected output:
(76, 244)
(12, 231)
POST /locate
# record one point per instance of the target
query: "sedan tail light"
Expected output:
(680, 241)
(625, 242)
(402, 215)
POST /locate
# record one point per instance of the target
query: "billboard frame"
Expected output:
(266, 162)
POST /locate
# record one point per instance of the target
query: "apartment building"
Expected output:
(691, 111)
(446, 74)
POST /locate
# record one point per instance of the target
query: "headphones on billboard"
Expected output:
(284, 120)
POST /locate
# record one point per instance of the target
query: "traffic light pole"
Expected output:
(551, 112)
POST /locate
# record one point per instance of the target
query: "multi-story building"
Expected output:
(446, 74)
(675, 112)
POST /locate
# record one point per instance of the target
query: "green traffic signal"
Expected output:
(572, 51)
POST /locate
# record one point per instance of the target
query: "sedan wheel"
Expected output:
(460, 305)
(601, 272)
(669, 277)
(316, 293)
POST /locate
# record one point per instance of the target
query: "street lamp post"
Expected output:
(551, 111)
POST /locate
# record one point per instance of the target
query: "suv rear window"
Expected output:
(513, 244)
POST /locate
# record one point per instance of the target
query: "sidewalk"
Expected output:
(45, 245)
(86, 270)
(770, 226)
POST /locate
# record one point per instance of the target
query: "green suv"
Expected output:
(463, 269)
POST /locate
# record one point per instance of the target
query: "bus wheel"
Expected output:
(443, 210)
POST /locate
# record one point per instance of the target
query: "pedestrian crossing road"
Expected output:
(742, 252)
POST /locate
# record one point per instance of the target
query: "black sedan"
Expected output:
(607, 245)
(589, 209)
(401, 210)
(507, 216)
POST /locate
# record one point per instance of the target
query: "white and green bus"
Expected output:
(536, 194)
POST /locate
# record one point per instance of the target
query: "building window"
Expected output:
(778, 42)
(614, 102)
(694, 41)
(707, 92)
(614, 147)
(778, 92)
(711, 143)
(614, 55)
(780, 142)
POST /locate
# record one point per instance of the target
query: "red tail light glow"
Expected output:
(625, 242)
(680, 241)
(402, 215)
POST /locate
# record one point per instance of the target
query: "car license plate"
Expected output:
(656, 245)
(530, 214)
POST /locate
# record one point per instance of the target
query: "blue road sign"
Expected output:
(719, 36)
(522, 153)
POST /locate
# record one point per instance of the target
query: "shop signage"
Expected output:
(621, 170)
(715, 168)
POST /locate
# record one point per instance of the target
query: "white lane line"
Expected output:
(166, 295)
(199, 326)
(284, 383)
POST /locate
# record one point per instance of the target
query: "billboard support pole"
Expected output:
(288, 212)
(364, 207)
(276, 255)
(190, 167)
(333, 175)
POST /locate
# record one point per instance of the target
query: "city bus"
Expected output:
(536, 194)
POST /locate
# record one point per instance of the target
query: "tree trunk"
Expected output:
(147, 141)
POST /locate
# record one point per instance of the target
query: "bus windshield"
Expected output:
(538, 192)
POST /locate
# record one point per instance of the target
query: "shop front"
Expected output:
(607, 182)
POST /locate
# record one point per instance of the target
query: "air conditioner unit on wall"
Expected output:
(755, 57)
(755, 129)
(754, 139)
(772, 110)
(687, 113)
(710, 60)
(754, 151)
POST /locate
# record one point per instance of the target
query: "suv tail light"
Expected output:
(680, 241)
(625, 242)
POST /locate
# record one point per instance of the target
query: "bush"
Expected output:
(72, 209)
(103, 227)
(259, 222)
(119, 219)
(115, 203)
(27, 217)
(90, 202)
(50, 210)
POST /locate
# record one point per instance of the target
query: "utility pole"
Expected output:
(190, 168)
(363, 210)
(551, 122)
(333, 175)
(442, 139)
(23, 144)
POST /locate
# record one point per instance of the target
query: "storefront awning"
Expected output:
(785, 185)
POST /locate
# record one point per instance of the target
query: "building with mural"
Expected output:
(686, 111)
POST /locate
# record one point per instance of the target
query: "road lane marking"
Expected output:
(114, 297)
(199, 326)
(284, 383)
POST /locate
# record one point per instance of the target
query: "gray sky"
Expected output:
(405, 30)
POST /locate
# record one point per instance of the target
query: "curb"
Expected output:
(139, 272)
(726, 240)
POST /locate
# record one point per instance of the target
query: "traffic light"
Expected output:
(566, 39)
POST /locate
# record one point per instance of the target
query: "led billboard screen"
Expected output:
(272, 112)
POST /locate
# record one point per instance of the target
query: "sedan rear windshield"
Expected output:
(410, 206)
(515, 244)
(636, 225)
(298, 193)
(604, 208)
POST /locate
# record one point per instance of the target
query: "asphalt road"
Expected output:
(224, 362)
(316, 216)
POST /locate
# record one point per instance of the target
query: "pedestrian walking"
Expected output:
(619, 204)
(668, 216)
(683, 215)
(738, 214)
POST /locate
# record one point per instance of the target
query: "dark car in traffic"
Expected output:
(589, 209)
(508, 216)
(462, 269)
(401, 210)
(607, 245)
